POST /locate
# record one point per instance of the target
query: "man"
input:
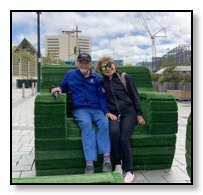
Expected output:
(89, 105)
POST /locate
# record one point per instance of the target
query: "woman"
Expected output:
(124, 103)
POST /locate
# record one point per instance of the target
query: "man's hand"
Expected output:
(111, 116)
(56, 89)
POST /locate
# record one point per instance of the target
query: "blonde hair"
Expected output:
(101, 60)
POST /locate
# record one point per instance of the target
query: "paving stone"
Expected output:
(21, 168)
(26, 160)
(28, 174)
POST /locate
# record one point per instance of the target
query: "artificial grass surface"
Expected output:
(78, 154)
(58, 147)
(71, 164)
(76, 143)
(188, 146)
(80, 178)
(79, 170)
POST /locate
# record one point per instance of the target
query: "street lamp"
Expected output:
(38, 52)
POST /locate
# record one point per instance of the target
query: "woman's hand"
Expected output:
(111, 116)
(140, 120)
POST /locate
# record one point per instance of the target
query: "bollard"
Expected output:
(23, 90)
(36, 87)
(33, 89)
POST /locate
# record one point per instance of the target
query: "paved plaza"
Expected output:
(23, 142)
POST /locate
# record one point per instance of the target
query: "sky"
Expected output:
(119, 34)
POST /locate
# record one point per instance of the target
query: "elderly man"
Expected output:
(89, 105)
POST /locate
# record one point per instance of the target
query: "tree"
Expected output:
(187, 62)
(170, 66)
(49, 59)
(25, 54)
(128, 64)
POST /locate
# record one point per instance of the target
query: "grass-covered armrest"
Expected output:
(153, 144)
(50, 116)
(160, 112)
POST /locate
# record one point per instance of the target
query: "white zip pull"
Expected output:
(118, 117)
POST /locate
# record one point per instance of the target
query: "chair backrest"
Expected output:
(54, 74)
(141, 76)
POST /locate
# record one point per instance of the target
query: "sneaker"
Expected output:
(89, 169)
(119, 169)
(107, 167)
(129, 177)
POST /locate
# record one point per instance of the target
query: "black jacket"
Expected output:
(121, 101)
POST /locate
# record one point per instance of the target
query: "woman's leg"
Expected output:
(127, 124)
(115, 141)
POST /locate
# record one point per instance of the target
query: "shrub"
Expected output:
(161, 80)
(155, 76)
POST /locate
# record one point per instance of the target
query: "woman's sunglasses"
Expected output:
(103, 68)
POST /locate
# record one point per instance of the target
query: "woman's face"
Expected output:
(108, 68)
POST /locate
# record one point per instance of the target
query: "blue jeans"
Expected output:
(93, 142)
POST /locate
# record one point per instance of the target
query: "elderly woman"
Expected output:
(124, 103)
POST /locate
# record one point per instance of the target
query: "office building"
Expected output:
(67, 45)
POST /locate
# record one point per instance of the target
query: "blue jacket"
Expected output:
(85, 92)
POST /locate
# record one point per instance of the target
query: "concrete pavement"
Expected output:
(23, 143)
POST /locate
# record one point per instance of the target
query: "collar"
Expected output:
(92, 73)
(114, 76)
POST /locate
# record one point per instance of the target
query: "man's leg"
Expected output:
(103, 139)
(83, 119)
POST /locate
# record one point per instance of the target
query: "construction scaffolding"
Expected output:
(181, 54)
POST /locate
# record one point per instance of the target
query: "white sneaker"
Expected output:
(119, 169)
(129, 177)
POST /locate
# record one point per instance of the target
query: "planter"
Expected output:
(184, 86)
(180, 95)
(28, 82)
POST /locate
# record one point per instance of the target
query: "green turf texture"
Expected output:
(80, 178)
(58, 147)
(188, 146)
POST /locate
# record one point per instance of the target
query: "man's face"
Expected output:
(84, 66)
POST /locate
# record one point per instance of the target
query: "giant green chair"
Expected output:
(58, 147)
(188, 146)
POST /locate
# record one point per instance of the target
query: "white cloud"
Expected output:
(118, 34)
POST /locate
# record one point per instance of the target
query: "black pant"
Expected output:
(120, 133)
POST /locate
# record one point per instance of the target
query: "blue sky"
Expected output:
(118, 34)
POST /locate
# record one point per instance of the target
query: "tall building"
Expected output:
(67, 46)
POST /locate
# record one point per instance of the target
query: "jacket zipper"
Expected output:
(85, 90)
(117, 106)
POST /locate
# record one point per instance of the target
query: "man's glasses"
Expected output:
(104, 68)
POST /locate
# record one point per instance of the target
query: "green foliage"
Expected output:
(155, 76)
(187, 62)
(170, 75)
(170, 64)
(174, 77)
(128, 64)
(50, 59)
(161, 80)
(24, 54)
